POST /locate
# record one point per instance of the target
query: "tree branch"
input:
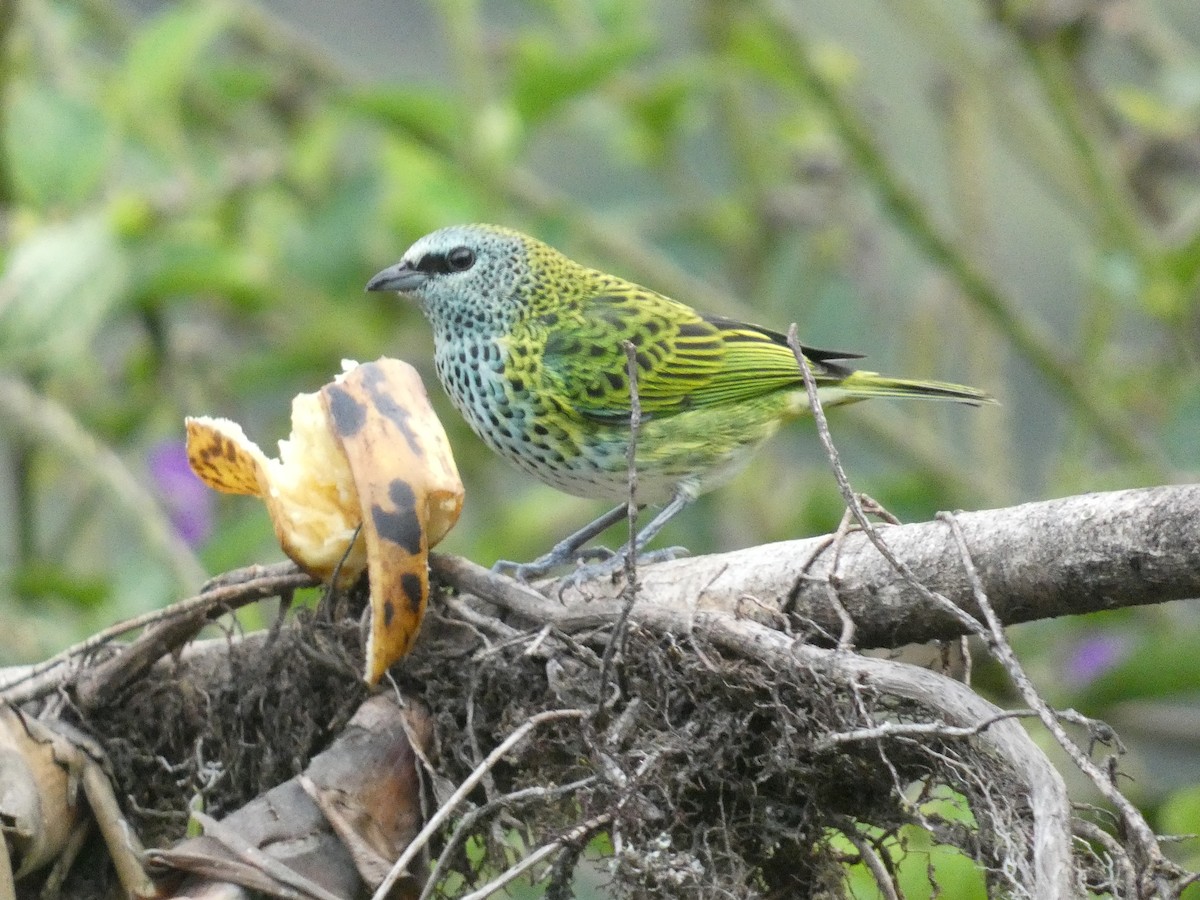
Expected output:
(1036, 561)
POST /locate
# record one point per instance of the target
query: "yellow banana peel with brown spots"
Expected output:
(366, 450)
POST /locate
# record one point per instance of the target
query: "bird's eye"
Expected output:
(460, 259)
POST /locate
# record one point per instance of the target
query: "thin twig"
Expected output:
(1151, 861)
(125, 849)
(883, 878)
(477, 757)
(846, 638)
(993, 635)
(465, 826)
(447, 808)
(909, 729)
(515, 871)
(480, 622)
(1118, 857)
(1044, 858)
(854, 504)
(629, 592)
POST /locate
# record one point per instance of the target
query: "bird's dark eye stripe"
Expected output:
(457, 260)
(433, 264)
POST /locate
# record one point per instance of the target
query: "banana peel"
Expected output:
(366, 480)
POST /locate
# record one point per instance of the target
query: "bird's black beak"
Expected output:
(400, 277)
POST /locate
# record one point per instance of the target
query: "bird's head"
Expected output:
(462, 274)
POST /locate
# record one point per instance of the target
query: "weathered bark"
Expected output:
(1038, 561)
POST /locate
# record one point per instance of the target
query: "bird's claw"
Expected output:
(614, 565)
(608, 564)
(540, 567)
(600, 554)
(522, 572)
(666, 554)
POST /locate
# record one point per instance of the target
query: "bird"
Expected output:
(532, 349)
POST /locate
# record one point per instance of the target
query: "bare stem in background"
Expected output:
(965, 128)
(1104, 178)
(8, 18)
(1028, 337)
(54, 427)
(1026, 133)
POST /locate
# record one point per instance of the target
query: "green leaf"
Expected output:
(325, 249)
(1150, 112)
(430, 117)
(240, 83)
(174, 268)
(58, 287)
(165, 54)
(1183, 262)
(45, 580)
(756, 46)
(423, 190)
(547, 74)
(662, 108)
(58, 146)
(1180, 814)
(923, 868)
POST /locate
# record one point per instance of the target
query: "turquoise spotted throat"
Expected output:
(531, 347)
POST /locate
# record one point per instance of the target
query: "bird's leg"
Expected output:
(565, 551)
(645, 535)
(651, 529)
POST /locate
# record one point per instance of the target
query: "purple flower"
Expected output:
(1092, 656)
(188, 500)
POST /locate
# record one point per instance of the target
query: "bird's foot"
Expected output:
(666, 554)
(543, 565)
(608, 564)
(523, 572)
(569, 549)
(614, 565)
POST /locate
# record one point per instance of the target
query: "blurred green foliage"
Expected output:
(192, 197)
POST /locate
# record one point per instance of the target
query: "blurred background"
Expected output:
(193, 195)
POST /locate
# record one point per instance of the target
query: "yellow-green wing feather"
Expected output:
(684, 360)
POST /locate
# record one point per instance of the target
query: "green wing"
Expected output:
(685, 360)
